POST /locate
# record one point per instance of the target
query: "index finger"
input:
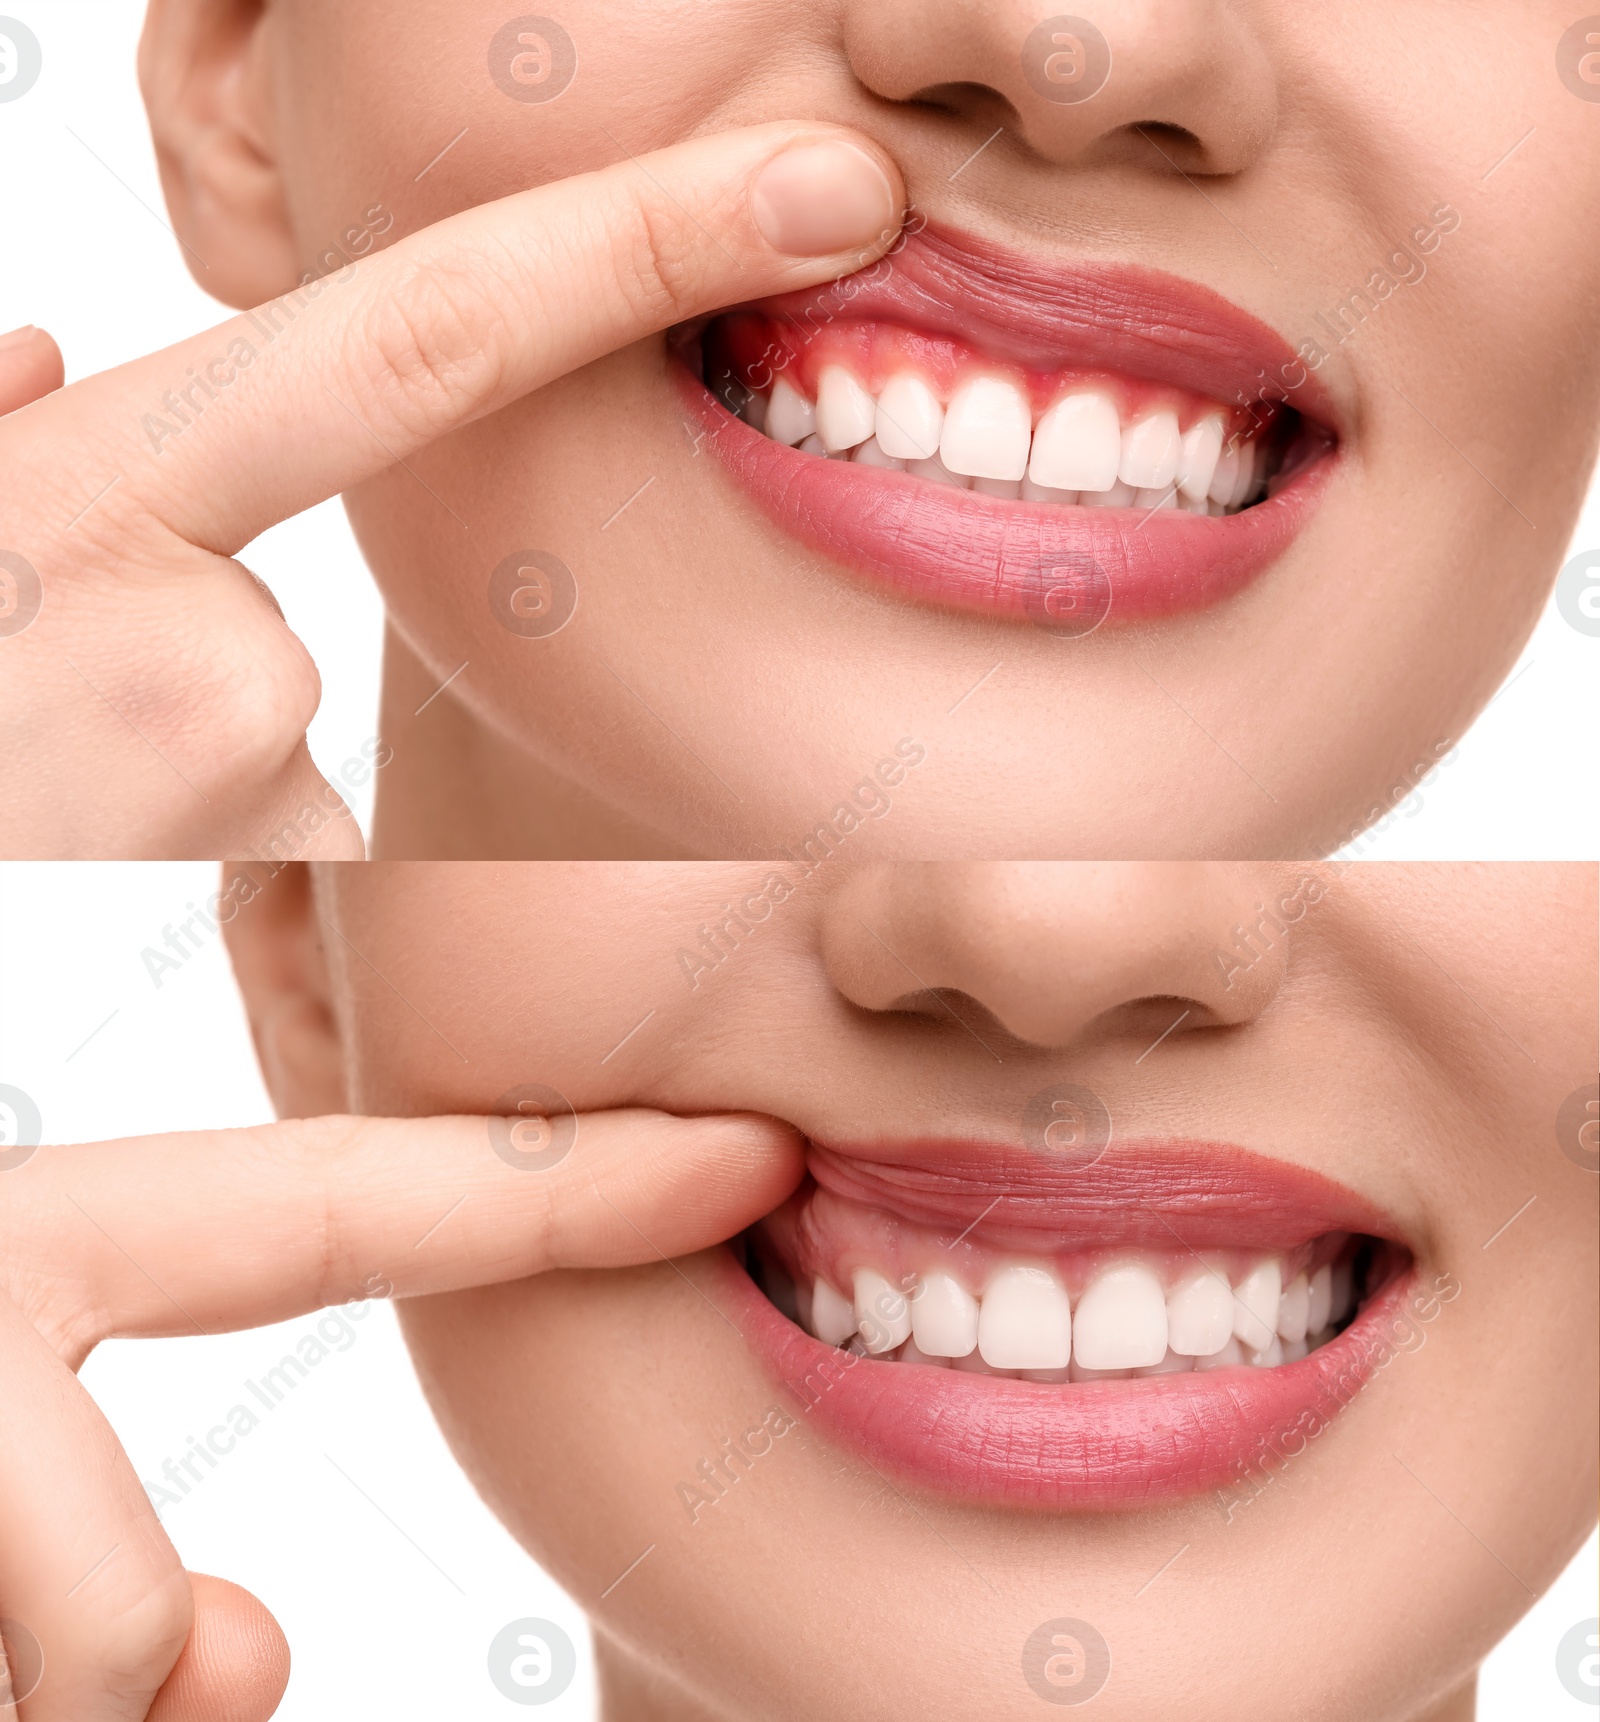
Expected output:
(234, 430)
(209, 1231)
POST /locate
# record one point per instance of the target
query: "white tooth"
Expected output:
(754, 412)
(944, 1317)
(833, 1316)
(1232, 1353)
(1226, 475)
(911, 1352)
(871, 453)
(883, 1317)
(935, 469)
(1150, 500)
(1006, 487)
(1194, 504)
(790, 416)
(909, 418)
(1197, 458)
(1032, 492)
(1078, 443)
(1269, 1358)
(1342, 1292)
(1249, 466)
(813, 444)
(1200, 1313)
(1174, 1363)
(1079, 1373)
(1118, 496)
(1294, 1308)
(846, 413)
(1320, 1338)
(1320, 1300)
(973, 1364)
(1150, 449)
(1294, 1350)
(1255, 1304)
(1023, 1321)
(1121, 1320)
(986, 429)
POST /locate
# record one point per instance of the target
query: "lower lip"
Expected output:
(1095, 1446)
(1065, 569)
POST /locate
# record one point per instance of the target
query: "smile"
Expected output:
(1097, 1337)
(1065, 447)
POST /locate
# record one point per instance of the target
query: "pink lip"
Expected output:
(1095, 1445)
(1067, 569)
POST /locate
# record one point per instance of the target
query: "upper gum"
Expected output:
(830, 1237)
(875, 352)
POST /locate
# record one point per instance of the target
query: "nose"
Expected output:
(1057, 951)
(1159, 85)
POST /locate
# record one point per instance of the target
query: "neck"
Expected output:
(456, 789)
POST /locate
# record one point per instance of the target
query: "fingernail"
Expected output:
(18, 336)
(813, 199)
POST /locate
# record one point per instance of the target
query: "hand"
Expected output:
(228, 1229)
(153, 702)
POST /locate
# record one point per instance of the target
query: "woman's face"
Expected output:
(1360, 1088)
(1376, 218)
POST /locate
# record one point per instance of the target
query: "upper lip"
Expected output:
(1044, 314)
(1145, 1192)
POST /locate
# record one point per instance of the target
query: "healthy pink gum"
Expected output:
(875, 352)
(821, 1235)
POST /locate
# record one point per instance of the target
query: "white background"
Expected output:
(384, 1621)
(89, 256)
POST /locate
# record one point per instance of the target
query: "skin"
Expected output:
(1237, 144)
(1413, 1036)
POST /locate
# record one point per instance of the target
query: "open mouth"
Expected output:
(1094, 1336)
(1067, 446)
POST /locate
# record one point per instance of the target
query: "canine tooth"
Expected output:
(1174, 1363)
(1031, 492)
(1009, 488)
(944, 1317)
(987, 427)
(790, 416)
(1077, 444)
(1226, 475)
(935, 469)
(1320, 1300)
(909, 418)
(1268, 1357)
(1294, 1350)
(1198, 455)
(1249, 466)
(883, 1317)
(1121, 1321)
(833, 1316)
(1294, 1309)
(1200, 1313)
(1255, 1304)
(1024, 1321)
(845, 411)
(813, 444)
(1232, 1353)
(1120, 495)
(1151, 500)
(1150, 451)
(870, 453)
(754, 412)
(911, 1352)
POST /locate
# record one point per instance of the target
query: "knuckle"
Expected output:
(656, 275)
(432, 344)
(141, 1626)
